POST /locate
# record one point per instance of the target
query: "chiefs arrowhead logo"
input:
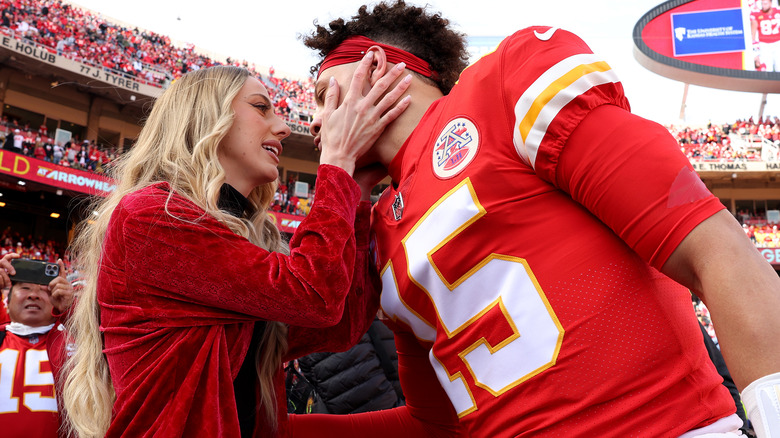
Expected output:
(455, 147)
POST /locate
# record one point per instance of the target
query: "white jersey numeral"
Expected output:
(33, 376)
(498, 280)
(8, 360)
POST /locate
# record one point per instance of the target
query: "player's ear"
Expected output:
(379, 66)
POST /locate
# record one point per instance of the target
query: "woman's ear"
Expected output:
(379, 66)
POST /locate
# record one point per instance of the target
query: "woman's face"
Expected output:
(250, 151)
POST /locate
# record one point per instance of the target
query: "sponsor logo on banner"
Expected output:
(772, 255)
(44, 172)
(455, 147)
(285, 222)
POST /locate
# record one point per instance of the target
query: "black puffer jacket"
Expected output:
(355, 380)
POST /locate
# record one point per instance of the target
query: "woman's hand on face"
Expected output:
(350, 129)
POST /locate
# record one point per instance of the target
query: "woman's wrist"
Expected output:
(347, 165)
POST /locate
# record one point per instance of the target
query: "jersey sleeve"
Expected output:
(627, 171)
(631, 174)
(551, 80)
(428, 412)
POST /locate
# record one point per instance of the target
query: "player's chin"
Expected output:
(364, 161)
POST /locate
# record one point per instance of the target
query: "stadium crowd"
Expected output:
(86, 37)
(141, 55)
(32, 248)
(763, 235)
(76, 154)
(714, 142)
(153, 58)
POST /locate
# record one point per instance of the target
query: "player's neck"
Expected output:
(398, 132)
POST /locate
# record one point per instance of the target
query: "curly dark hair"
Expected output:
(411, 28)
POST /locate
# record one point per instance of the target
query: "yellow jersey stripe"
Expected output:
(553, 90)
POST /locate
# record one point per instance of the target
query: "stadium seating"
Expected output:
(141, 55)
(152, 58)
(743, 140)
(31, 248)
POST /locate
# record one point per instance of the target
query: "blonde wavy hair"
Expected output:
(178, 144)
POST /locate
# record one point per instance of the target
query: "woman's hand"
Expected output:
(350, 129)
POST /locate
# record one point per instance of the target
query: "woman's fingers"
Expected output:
(331, 99)
(352, 126)
(384, 83)
(396, 111)
(360, 76)
(391, 98)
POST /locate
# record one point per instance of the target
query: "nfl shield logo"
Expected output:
(398, 207)
(455, 147)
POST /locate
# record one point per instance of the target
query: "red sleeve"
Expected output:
(631, 174)
(428, 412)
(361, 305)
(4, 318)
(174, 251)
(550, 81)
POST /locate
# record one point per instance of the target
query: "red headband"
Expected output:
(353, 48)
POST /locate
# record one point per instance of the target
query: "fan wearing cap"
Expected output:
(32, 351)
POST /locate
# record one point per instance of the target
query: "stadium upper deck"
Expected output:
(77, 74)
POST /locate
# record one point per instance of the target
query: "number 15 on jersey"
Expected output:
(502, 282)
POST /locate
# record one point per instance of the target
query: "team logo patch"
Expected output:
(398, 207)
(455, 147)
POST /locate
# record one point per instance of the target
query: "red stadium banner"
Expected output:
(772, 255)
(31, 169)
(286, 222)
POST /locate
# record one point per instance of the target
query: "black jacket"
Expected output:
(362, 379)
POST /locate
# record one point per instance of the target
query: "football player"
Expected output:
(516, 334)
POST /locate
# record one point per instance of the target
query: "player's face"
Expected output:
(250, 150)
(766, 5)
(30, 304)
(343, 75)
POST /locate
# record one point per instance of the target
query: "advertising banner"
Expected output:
(31, 169)
(772, 255)
(43, 172)
(708, 32)
(286, 222)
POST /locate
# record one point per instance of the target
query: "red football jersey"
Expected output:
(4, 318)
(28, 407)
(496, 260)
(768, 25)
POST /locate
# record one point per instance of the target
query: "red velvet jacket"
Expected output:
(179, 293)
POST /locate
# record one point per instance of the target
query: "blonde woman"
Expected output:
(182, 261)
